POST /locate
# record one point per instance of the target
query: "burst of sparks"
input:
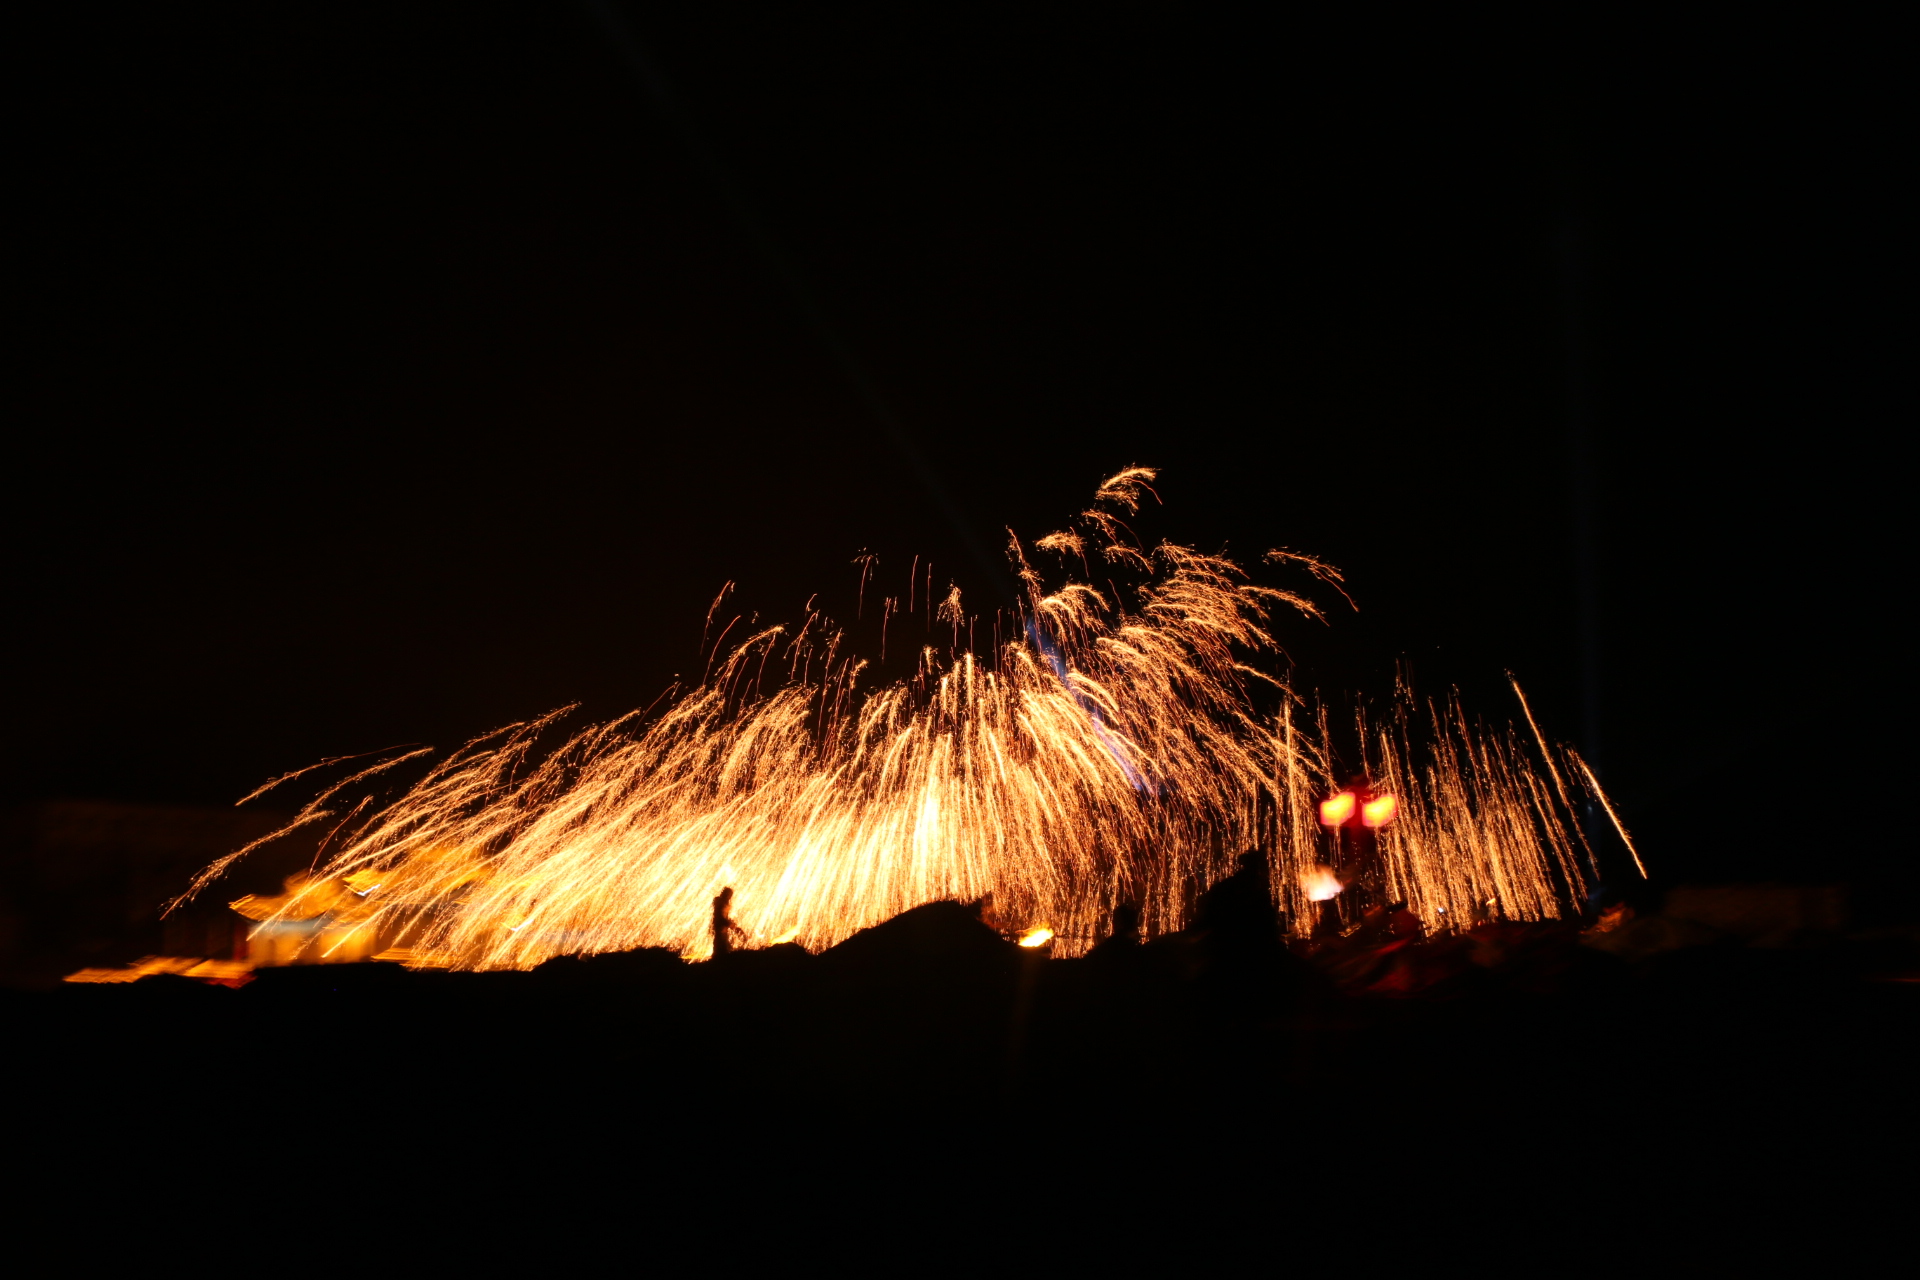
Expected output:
(1099, 754)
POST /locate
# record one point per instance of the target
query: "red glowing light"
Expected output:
(1379, 811)
(1335, 812)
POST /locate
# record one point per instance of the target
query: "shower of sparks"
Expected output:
(1106, 750)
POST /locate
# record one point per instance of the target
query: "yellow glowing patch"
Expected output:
(1335, 812)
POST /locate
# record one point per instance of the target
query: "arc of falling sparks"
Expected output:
(1102, 754)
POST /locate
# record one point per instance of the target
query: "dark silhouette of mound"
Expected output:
(916, 1009)
(645, 965)
(1239, 910)
(935, 937)
(930, 1042)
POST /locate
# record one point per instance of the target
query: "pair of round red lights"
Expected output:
(1375, 811)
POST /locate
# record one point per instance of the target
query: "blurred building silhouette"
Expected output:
(82, 883)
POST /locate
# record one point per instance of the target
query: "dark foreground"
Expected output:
(1515, 1058)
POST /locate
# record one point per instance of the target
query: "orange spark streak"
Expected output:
(1540, 738)
(1598, 793)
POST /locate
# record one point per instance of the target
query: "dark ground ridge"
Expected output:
(1511, 1038)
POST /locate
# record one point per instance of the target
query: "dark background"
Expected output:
(391, 373)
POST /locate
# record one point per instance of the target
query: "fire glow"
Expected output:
(1113, 751)
(1338, 811)
(1379, 811)
(1320, 883)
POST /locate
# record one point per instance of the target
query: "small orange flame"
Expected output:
(1038, 936)
(786, 937)
(1379, 811)
(1335, 812)
(1321, 883)
(1612, 918)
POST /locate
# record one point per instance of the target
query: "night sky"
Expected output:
(388, 374)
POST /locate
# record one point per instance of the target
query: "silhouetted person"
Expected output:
(1237, 913)
(724, 928)
(1126, 931)
(1247, 966)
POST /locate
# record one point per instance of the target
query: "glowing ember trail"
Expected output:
(1112, 751)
